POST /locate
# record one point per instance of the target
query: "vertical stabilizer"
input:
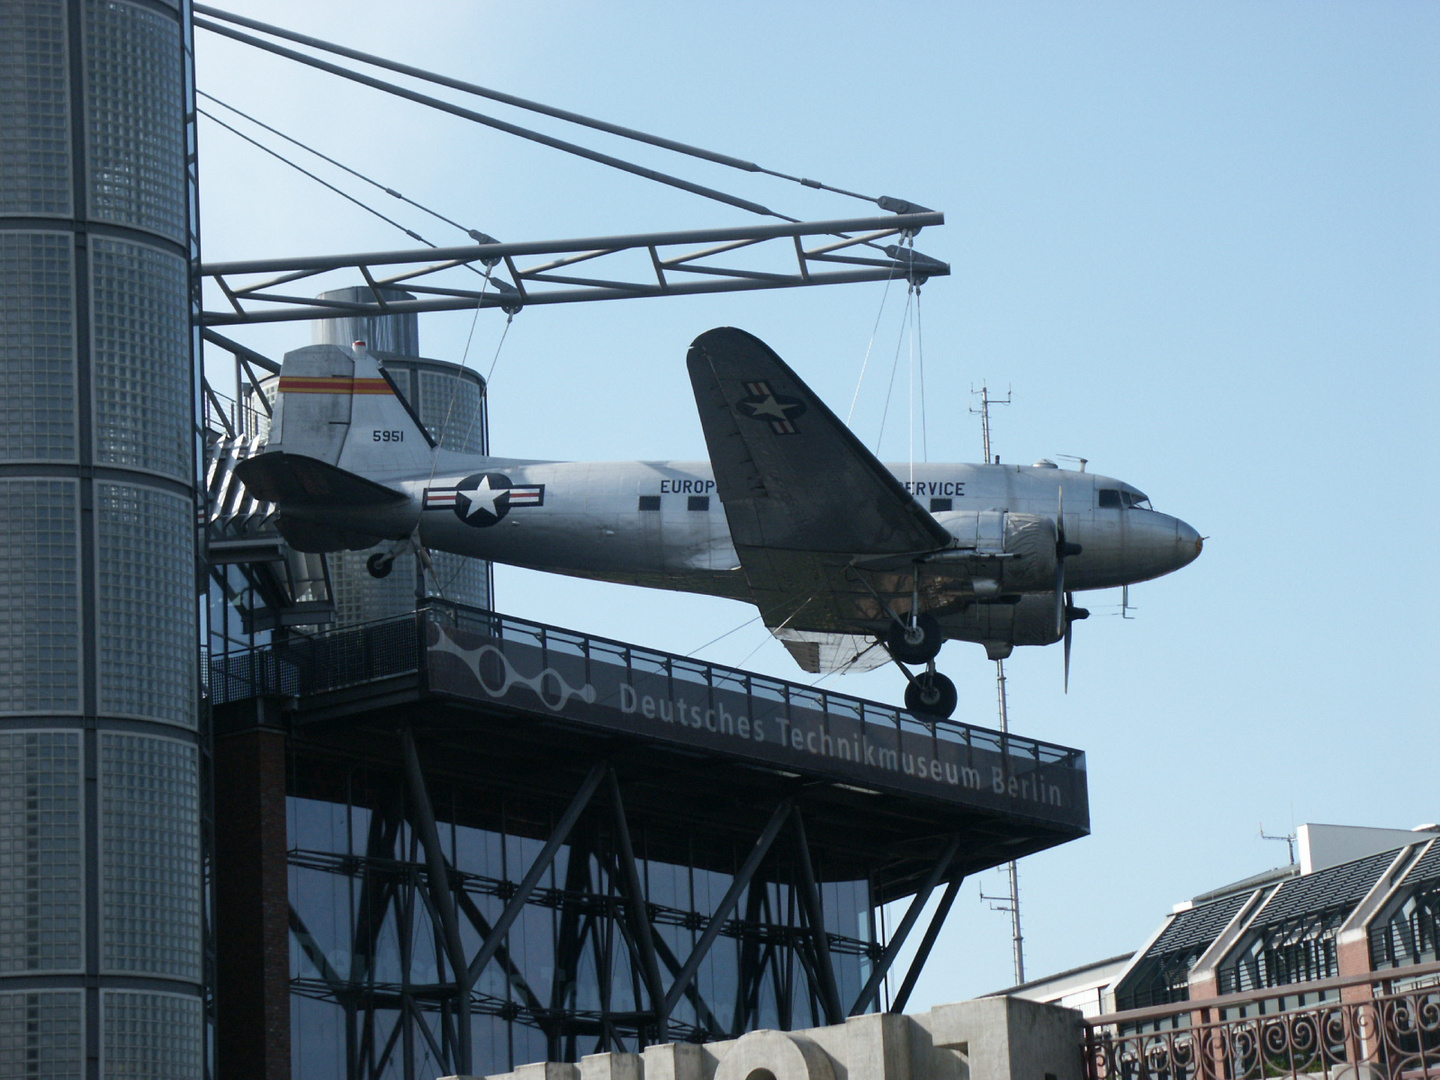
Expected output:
(336, 405)
(312, 408)
(386, 440)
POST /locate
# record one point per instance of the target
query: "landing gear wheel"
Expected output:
(380, 564)
(931, 694)
(915, 643)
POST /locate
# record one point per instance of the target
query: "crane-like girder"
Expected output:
(681, 263)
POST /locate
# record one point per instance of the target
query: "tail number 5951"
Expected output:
(387, 436)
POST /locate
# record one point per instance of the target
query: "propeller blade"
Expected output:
(1073, 615)
(1060, 561)
(1067, 658)
(1059, 594)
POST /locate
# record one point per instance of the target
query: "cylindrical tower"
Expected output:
(100, 764)
(450, 401)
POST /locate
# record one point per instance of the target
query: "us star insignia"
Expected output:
(484, 498)
(764, 404)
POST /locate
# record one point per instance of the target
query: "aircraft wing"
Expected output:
(804, 498)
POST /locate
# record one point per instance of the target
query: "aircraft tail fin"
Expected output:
(341, 439)
(340, 407)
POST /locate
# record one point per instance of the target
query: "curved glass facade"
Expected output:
(40, 649)
(41, 862)
(147, 647)
(135, 70)
(141, 361)
(42, 1034)
(150, 846)
(99, 817)
(34, 109)
(37, 293)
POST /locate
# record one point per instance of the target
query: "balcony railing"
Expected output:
(486, 657)
(1379, 1026)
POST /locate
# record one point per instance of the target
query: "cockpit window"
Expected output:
(1109, 499)
(1136, 500)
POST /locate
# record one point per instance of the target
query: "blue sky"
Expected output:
(1201, 242)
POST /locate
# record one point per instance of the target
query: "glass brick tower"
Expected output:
(100, 765)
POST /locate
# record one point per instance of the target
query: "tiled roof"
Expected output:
(1199, 926)
(1427, 867)
(1332, 887)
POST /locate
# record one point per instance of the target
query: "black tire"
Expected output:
(915, 645)
(380, 565)
(931, 694)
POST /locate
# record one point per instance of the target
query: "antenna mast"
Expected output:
(1011, 901)
(985, 402)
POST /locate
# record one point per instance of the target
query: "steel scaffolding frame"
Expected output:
(604, 915)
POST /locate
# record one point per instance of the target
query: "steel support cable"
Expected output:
(492, 122)
(920, 355)
(531, 106)
(874, 331)
(894, 369)
(474, 234)
(346, 195)
(324, 183)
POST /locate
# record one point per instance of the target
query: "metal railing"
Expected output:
(353, 656)
(1383, 1025)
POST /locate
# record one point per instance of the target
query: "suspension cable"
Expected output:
(323, 183)
(524, 103)
(474, 234)
(894, 368)
(492, 122)
(874, 330)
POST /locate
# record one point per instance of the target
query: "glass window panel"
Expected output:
(41, 1035)
(37, 342)
(34, 110)
(40, 597)
(157, 1036)
(134, 117)
(40, 855)
(145, 608)
(150, 855)
(141, 377)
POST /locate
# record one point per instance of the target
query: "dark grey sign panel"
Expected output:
(691, 704)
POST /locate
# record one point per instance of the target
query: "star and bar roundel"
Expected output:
(484, 498)
(764, 404)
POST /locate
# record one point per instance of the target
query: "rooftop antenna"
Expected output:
(985, 402)
(1010, 901)
(1289, 839)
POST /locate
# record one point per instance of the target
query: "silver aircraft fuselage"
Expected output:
(661, 524)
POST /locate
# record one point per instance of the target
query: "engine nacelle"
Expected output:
(1005, 553)
(1000, 627)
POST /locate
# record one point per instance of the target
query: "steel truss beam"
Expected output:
(602, 919)
(254, 291)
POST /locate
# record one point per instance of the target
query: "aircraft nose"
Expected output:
(1188, 543)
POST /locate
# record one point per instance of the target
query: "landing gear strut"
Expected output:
(380, 564)
(931, 694)
(915, 641)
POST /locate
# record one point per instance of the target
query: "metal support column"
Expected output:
(727, 905)
(892, 950)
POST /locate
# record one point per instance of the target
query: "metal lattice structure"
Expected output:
(261, 290)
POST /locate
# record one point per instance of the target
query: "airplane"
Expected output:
(852, 563)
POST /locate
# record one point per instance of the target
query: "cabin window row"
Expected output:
(693, 502)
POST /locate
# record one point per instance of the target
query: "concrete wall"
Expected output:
(1000, 1038)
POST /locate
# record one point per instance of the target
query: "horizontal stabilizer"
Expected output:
(823, 653)
(296, 480)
